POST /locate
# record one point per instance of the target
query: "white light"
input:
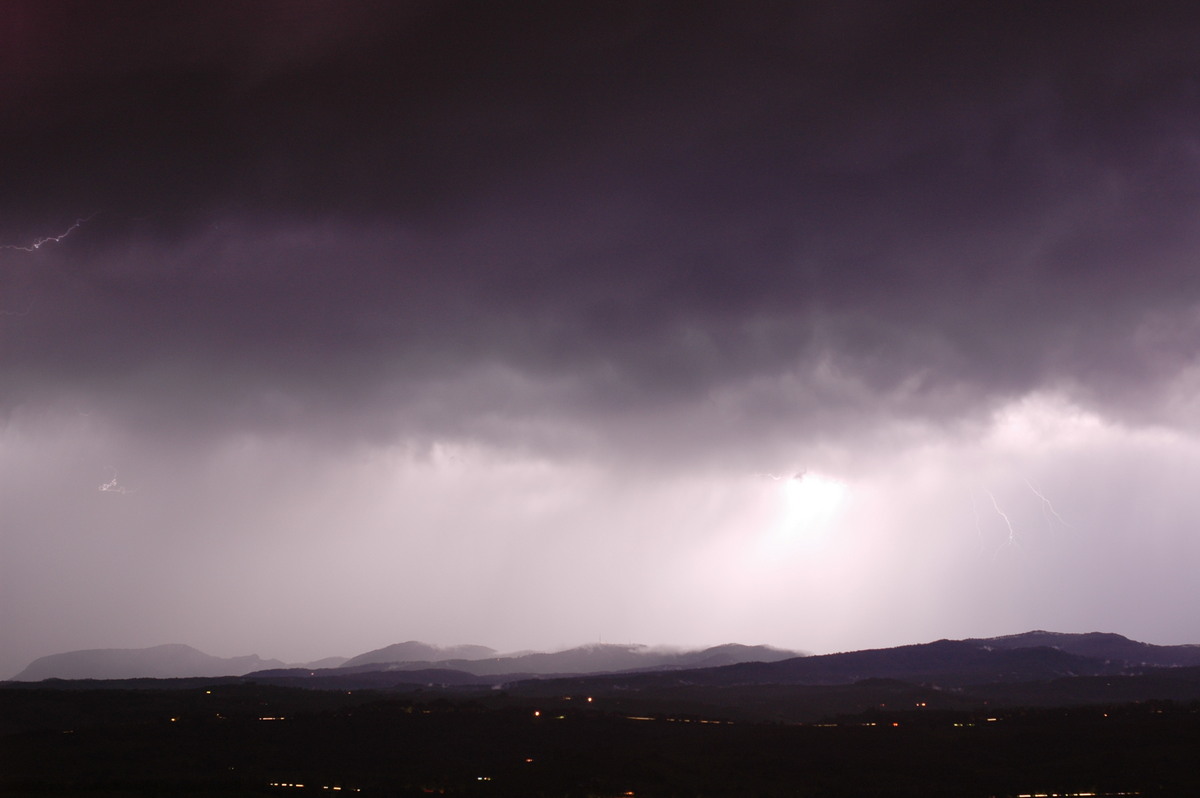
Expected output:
(39, 243)
(806, 506)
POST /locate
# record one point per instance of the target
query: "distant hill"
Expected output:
(944, 662)
(327, 662)
(597, 658)
(159, 662)
(1101, 645)
(181, 661)
(733, 682)
(1030, 656)
(1014, 659)
(415, 651)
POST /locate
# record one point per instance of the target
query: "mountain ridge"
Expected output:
(941, 664)
(171, 660)
(1035, 654)
(181, 661)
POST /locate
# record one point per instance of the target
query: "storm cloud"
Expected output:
(492, 323)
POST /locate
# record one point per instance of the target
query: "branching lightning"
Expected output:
(1047, 507)
(41, 242)
(1011, 540)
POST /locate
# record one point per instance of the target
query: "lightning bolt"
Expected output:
(1047, 507)
(113, 486)
(41, 242)
(1012, 536)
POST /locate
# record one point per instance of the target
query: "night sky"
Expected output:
(328, 325)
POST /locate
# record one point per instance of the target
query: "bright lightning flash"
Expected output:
(41, 242)
(807, 506)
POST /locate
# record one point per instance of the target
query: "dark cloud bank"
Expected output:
(649, 239)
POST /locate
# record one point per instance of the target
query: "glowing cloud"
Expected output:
(806, 508)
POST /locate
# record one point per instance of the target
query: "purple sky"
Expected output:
(829, 326)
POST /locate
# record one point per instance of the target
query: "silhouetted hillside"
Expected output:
(1031, 656)
(949, 664)
(945, 662)
(366, 678)
(598, 658)
(415, 651)
(1102, 645)
(159, 662)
